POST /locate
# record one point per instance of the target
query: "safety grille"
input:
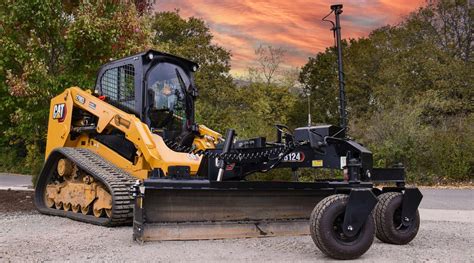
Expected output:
(118, 86)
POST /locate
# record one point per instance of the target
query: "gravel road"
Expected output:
(34, 238)
(446, 235)
(15, 182)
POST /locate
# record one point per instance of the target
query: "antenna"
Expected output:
(308, 95)
(336, 28)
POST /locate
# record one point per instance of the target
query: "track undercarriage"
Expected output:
(81, 185)
(74, 190)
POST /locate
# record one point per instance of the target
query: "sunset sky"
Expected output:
(242, 25)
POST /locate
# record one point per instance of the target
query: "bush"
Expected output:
(432, 154)
(22, 160)
(11, 161)
(34, 161)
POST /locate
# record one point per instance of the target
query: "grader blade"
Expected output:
(189, 210)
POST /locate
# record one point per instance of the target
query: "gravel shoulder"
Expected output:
(27, 236)
(35, 237)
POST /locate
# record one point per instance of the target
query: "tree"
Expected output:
(451, 24)
(406, 88)
(269, 59)
(319, 80)
(46, 47)
(260, 106)
(192, 39)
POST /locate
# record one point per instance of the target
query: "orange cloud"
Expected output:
(296, 25)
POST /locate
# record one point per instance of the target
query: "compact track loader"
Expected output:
(131, 152)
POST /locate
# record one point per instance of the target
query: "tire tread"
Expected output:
(383, 224)
(319, 235)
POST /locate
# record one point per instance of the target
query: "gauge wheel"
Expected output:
(326, 229)
(388, 219)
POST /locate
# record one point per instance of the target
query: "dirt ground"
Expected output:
(16, 201)
(27, 236)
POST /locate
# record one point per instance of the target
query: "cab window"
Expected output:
(168, 81)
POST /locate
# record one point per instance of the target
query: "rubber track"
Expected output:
(117, 181)
(316, 217)
(380, 211)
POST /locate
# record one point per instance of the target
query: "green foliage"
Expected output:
(409, 87)
(409, 91)
(320, 82)
(192, 39)
(9, 161)
(33, 162)
(47, 47)
(100, 33)
(260, 106)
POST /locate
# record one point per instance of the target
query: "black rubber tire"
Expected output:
(326, 227)
(388, 220)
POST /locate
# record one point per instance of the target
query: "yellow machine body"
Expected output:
(152, 152)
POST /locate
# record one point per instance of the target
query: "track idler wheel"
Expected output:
(326, 229)
(388, 218)
(65, 168)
